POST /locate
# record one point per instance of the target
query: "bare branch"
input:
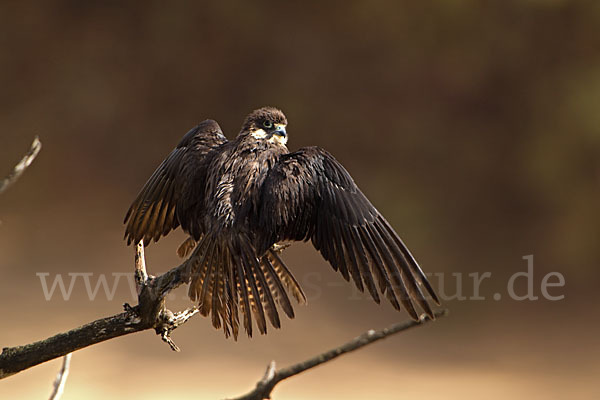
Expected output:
(271, 378)
(25, 162)
(16, 359)
(61, 378)
(150, 313)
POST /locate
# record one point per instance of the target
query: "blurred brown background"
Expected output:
(474, 126)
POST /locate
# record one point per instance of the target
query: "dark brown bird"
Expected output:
(241, 200)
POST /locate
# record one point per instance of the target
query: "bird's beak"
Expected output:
(280, 130)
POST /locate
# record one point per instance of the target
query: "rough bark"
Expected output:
(150, 313)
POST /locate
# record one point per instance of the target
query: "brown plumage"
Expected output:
(238, 200)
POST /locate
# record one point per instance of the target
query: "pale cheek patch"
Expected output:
(278, 140)
(259, 134)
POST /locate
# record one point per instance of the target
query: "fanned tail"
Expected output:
(228, 278)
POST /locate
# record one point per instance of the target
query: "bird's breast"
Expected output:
(235, 192)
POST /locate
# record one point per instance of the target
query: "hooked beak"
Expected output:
(280, 130)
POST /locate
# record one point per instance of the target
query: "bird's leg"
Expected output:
(168, 321)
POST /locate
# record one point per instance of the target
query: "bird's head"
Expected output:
(268, 124)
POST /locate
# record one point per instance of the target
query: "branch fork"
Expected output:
(151, 306)
(150, 313)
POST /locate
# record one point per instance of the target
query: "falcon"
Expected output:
(242, 201)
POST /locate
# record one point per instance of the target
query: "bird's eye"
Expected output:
(268, 124)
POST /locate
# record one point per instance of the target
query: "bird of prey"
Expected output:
(242, 201)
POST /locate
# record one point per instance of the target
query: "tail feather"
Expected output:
(231, 299)
(265, 297)
(211, 270)
(227, 278)
(198, 268)
(286, 277)
(276, 287)
(217, 293)
(252, 289)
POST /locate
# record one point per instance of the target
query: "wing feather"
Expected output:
(153, 213)
(309, 195)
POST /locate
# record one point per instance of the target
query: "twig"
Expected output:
(140, 275)
(25, 162)
(61, 378)
(272, 377)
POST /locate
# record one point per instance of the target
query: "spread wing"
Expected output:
(152, 213)
(309, 195)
